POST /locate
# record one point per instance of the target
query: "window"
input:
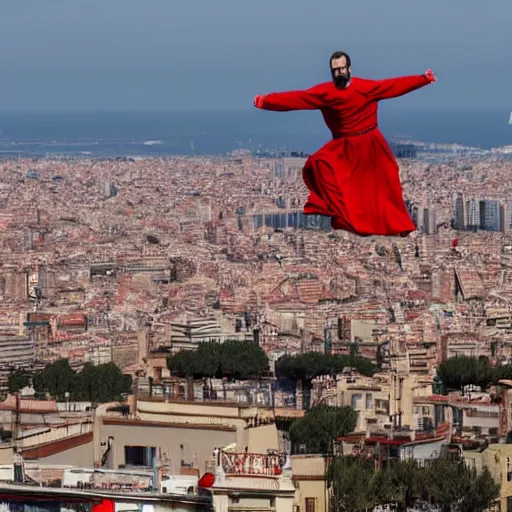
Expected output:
(369, 401)
(509, 470)
(355, 401)
(139, 455)
(381, 406)
(310, 504)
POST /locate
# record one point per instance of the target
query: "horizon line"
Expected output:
(132, 110)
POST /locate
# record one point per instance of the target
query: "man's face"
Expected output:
(340, 71)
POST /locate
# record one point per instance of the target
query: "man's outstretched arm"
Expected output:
(309, 99)
(395, 87)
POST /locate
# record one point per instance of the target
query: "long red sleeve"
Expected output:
(309, 99)
(394, 87)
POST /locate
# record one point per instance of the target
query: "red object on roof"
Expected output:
(207, 480)
(455, 243)
(104, 506)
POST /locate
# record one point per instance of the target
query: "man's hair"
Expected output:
(338, 55)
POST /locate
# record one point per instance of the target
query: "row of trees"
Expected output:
(245, 360)
(93, 383)
(442, 484)
(241, 360)
(306, 367)
(460, 371)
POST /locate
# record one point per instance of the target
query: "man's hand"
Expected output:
(430, 76)
(258, 101)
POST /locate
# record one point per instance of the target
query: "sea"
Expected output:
(140, 134)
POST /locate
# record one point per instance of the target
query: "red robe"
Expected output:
(354, 178)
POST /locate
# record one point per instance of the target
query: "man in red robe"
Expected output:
(354, 178)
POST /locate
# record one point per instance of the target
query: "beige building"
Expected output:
(237, 443)
(182, 435)
(309, 476)
(498, 458)
(382, 401)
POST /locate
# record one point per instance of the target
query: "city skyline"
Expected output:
(473, 213)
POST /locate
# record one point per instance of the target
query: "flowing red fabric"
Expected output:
(354, 178)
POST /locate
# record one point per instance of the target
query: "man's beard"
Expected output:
(341, 81)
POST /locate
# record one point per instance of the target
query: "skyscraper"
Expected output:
(413, 211)
(426, 221)
(490, 215)
(432, 221)
(472, 215)
(460, 212)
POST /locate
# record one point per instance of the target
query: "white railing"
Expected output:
(56, 434)
(189, 420)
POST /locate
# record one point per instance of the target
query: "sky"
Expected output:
(62, 55)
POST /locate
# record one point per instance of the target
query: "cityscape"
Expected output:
(255, 257)
(131, 262)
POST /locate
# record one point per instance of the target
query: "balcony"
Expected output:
(253, 464)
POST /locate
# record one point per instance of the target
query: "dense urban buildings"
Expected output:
(131, 260)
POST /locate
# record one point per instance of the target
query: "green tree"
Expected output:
(447, 485)
(98, 384)
(320, 426)
(351, 483)
(101, 383)
(453, 486)
(86, 385)
(363, 365)
(309, 365)
(242, 360)
(115, 383)
(57, 379)
(501, 372)
(208, 358)
(398, 482)
(482, 492)
(39, 386)
(460, 371)
(18, 380)
(306, 367)
(234, 359)
(185, 364)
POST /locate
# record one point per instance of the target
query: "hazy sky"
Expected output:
(217, 54)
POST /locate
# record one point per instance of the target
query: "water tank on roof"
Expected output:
(32, 174)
